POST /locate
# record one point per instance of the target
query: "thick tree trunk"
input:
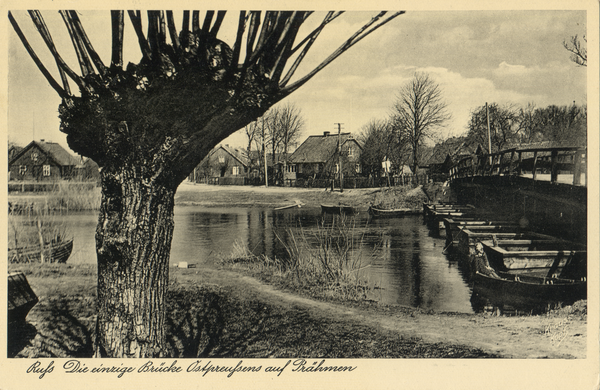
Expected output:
(133, 241)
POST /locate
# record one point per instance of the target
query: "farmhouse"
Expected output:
(222, 161)
(42, 161)
(317, 157)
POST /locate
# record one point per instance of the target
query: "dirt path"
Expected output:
(515, 337)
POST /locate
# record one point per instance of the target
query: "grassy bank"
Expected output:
(67, 197)
(207, 320)
(326, 262)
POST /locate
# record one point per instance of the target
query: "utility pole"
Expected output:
(264, 150)
(487, 115)
(339, 150)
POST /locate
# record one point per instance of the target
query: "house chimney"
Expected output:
(325, 133)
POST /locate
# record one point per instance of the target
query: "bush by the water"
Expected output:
(327, 260)
(403, 197)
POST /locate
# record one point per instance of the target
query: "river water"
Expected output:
(397, 255)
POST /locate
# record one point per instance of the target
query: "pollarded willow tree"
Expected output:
(147, 125)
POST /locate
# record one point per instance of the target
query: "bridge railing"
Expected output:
(558, 165)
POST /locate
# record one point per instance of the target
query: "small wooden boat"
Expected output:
(21, 298)
(527, 292)
(542, 257)
(390, 213)
(469, 235)
(452, 226)
(339, 209)
(51, 253)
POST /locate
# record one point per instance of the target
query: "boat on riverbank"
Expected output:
(391, 213)
(55, 252)
(526, 291)
(21, 298)
(468, 236)
(539, 257)
(339, 209)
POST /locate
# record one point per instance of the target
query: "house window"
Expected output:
(46, 170)
(350, 151)
(22, 169)
(221, 159)
(357, 168)
(236, 170)
(34, 156)
(299, 168)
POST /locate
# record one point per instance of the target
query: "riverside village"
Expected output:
(411, 222)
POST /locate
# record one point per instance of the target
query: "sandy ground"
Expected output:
(545, 336)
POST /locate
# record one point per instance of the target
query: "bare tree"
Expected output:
(285, 125)
(504, 125)
(149, 124)
(418, 112)
(577, 50)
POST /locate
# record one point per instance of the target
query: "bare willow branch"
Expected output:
(61, 64)
(172, 30)
(358, 36)
(217, 26)
(195, 21)
(252, 31)
(285, 43)
(87, 44)
(118, 24)
(237, 47)
(84, 61)
(136, 21)
(64, 93)
(185, 24)
(309, 40)
(328, 18)
(207, 21)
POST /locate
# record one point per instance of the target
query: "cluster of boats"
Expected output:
(515, 268)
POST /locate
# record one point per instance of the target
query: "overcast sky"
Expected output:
(475, 56)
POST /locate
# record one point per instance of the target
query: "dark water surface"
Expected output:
(398, 254)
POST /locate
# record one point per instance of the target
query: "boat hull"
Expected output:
(57, 253)
(393, 213)
(21, 298)
(541, 257)
(527, 292)
(331, 209)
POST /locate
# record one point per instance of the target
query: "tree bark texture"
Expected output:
(133, 241)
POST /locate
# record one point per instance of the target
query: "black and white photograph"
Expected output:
(388, 195)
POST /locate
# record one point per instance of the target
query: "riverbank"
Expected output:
(216, 311)
(261, 196)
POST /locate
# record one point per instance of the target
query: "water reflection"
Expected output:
(406, 264)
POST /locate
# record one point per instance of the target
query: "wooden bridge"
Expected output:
(543, 188)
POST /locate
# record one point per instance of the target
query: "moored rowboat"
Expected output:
(339, 209)
(21, 297)
(52, 253)
(390, 213)
(543, 257)
(527, 292)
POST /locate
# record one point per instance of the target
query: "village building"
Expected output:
(222, 162)
(318, 158)
(43, 161)
(446, 154)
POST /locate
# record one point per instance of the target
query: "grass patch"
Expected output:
(403, 197)
(327, 261)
